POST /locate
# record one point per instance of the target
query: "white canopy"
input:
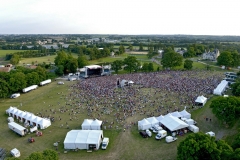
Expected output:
(96, 125)
(27, 116)
(81, 139)
(144, 124)
(86, 125)
(201, 100)
(31, 118)
(37, 120)
(18, 113)
(173, 123)
(159, 118)
(123, 83)
(220, 88)
(8, 111)
(185, 114)
(152, 120)
(44, 123)
(176, 114)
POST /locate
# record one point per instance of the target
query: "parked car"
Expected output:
(157, 129)
(170, 139)
(143, 134)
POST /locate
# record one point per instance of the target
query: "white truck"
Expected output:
(17, 128)
(161, 134)
(211, 134)
(30, 88)
(190, 122)
(45, 82)
(105, 143)
(170, 139)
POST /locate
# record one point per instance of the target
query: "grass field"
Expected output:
(123, 145)
(4, 52)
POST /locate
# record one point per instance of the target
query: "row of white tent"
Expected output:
(90, 124)
(28, 117)
(171, 121)
(83, 139)
(221, 88)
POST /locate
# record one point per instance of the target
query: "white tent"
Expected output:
(176, 114)
(13, 111)
(220, 88)
(201, 100)
(37, 120)
(185, 114)
(69, 142)
(152, 120)
(22, 114)
(82, 139)
(18, 113)
(144, 124)
(31, 118)
(8, 111)
(86, 125)
(96, 125)
(159, 118)
(44, 123)
(27, 116)
(123, 83)
(173, 123)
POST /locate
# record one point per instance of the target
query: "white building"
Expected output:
(211, 55)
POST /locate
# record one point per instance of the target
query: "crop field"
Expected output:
(123, 145)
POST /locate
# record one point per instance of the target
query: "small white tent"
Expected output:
(159, 118)
(220, 88)
(173, 123)
(31, 118)
(96, 125)
(144, 124)
(27, 116)
(176, 114)
(201, 100)
(37, 121)
(153, 121)
(13, 111)
(8, 111)
(123, 83)
(44, 123)
(185, 114)
(86, 125)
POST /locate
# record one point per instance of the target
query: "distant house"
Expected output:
(49, 46)
(211, 55)
(112, 54)
(6, 68)
(180, 51)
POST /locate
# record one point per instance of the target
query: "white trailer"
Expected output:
(30, 88)
(45, 82)
(190, 121)
(105, 143)
(193, 128)
(15, 152)
(17, 128)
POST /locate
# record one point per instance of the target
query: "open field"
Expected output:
(4, 52)
(123, 145)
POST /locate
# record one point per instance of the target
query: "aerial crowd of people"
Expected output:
(152, 94)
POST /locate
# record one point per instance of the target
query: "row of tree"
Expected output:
(229, 58)
(200, 146)
(20, 78)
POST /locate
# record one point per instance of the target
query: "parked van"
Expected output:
(105, 143)
(161, 134)
(170, 139)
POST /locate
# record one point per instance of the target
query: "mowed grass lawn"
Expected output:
(123, 145)
(4, 52)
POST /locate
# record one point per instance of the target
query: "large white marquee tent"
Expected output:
(83, 139)
(173, 123)
(220, 88)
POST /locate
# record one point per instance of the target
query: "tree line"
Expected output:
(20, 78)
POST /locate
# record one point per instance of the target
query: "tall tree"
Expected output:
(225, 58)
(4, 88)
(121, 49)
(71, 65)
(171, 59)
(145, 67)
(188, 64)
(141, 47)
(117, 65)
(82, 61)
(15, 59)
(150, 67)
(17, 82)
(131, 63)
(198, 146)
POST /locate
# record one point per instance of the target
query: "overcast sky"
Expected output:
(198, 17)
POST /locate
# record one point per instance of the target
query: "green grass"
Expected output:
(123, 145)
(4, 52)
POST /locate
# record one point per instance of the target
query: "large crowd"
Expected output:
(153, 94)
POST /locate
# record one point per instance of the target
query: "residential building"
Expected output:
(211, 55)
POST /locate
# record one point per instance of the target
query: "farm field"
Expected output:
(4, 52)
(123, 145)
